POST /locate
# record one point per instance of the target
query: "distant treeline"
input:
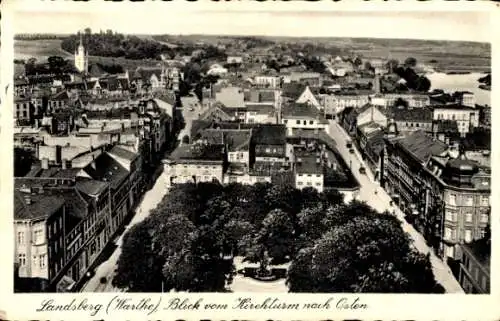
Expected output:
(38, 36)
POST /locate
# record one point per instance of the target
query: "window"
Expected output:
(469, 201)
(22, 259)
(300, 183)
(416, 125)
(309, 183)
(485, 201)
(468, 217)
(453, 117)
(42, 261)
(37, 236)
(34, 261)
(20, 237)
(285, 121)
(268, 150)
(318, 184)
(453, 199)
(298, 122)
(305, 122)
(468, 236)
(311, 122)
(447, 233)
(450, 216)
(484, 218)
(25, 114)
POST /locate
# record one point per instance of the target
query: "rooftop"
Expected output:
(106, 169)
(453, 106)
(296, 110)
(420, 145)
(267, 134)
(234, 138)
(307, 164)
(123, 153)
(41, 206)
(413, 114)
(199, 151)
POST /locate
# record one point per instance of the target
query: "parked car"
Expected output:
(362, 170)
(348, 144)
(351, 150)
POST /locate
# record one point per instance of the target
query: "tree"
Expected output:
(368, 253)
(392, 64)
(368, 66)
(276, 236)
(138, 267)
(410, 62)
(185, 139)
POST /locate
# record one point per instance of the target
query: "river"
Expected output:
(466, 82)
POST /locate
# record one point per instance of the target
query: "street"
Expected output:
(380, 201)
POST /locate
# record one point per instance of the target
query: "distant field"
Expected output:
(127, 64)
(39, 49)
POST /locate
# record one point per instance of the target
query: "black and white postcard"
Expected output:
(248, 160)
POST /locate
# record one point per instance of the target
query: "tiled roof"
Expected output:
(422, 146)
(123, 153)
(266, 134)
(146, 73)
(235, 139)
(206, 152)
(414, 114)
(42, 206)
(301, 111)
(62, 95)
(308, 164)
(106, 169)
(266, 96)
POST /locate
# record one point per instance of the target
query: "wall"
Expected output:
(309, 180)
(184, 172)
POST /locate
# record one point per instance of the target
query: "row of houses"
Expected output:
(232, 152)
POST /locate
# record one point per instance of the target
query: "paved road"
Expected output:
(380, 201)
(189, 116)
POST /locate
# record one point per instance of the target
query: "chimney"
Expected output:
(45, 163)
(64, 163)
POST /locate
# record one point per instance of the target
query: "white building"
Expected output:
(308, 172)
(466, 117)
(300, 116)
(267, 81)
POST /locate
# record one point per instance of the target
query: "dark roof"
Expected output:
(261, 108)
(293, 90)
(420, 145)
(198, 125)
(266, 96)
(55, 172)
(21, 82)
(42, 206)
(235, 139)
(106, 169)
(267, 134)
(301, 110)
(453, 106)
(207, 152)
(414, 114)
(95, 70)
(114, 83)
(308, 164)
(123, 153)
(91, 187)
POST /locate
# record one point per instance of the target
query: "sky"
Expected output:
(277, 19)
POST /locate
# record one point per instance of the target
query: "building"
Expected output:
(307, 97)
(341, 100)
(411, 119)
(231, 97)
(81, 58)
(269, 144)
(308, 171)
(302, 116)
(388, 100)
(370, 139)
(260, 114)
(194, 163)
(266, 81)
(466, 117)
(474, 275)
(444, 194)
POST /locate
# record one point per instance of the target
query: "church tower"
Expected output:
(81, 58)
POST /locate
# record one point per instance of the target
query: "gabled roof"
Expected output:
(206, 152)
(421, 146)
(62, 95)
(91, 187)
(260, 108)
(301, 111)
(235, 139)
(145, 73)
